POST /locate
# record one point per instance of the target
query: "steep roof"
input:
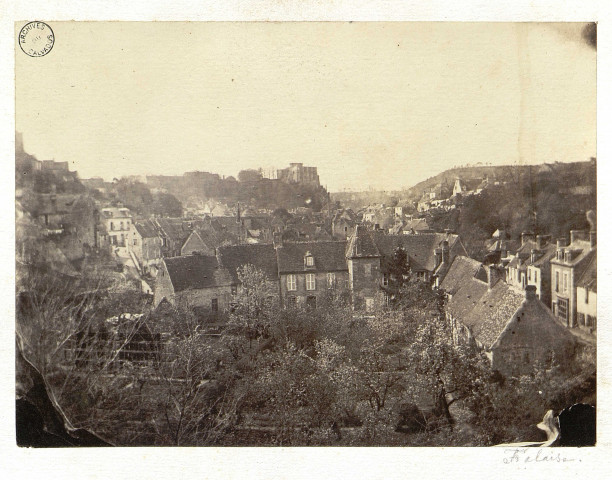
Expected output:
(146, 229)
(589, 276)
(534, 323)
(261, 256)
(361, 244)
(492, 312)
(328, 256)
(420, 248)
(195, 272)
(173, 228)
(461, 269)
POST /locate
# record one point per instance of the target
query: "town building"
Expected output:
(343, 223)
(530, 264)
(310, 270)
(567, 268)
(117, 226)
(586, 298)
(304, 272)
(298, 173)
(514, 329)
(145, 246)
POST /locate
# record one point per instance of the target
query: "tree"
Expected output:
(166, 205)
(249, 175)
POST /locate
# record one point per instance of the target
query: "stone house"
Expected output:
(145, 245)
(369, 255)
(530, 265)
(196, 281)
(309, 270)
(343, 224)
(586, 298)
(195, 243)
(302, 272)
(513, 328)
(567, 268)
(117, 223)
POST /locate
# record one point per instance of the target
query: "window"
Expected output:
(291, 283)
(562, 309)
(529, 275)
(310, 281)
(292, 301)
(120, 225)
(331, 280)
(309, 260)
(367, 269)
(586, 295)
(369, 301)
(565, 282)
(385, 279)
(345, 229)
(135, 241)
(214, 305)
(112, 225)
(556, 281)
(311, 302)
(535, 276)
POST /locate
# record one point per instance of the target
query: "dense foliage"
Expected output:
(276, 376)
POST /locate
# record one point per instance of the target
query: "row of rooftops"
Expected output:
(484, 303)
(197, 271)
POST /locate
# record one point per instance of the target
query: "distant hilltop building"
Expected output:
(298, 173)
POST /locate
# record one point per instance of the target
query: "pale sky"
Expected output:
(382, 105)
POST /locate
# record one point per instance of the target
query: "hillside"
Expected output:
(569, 174)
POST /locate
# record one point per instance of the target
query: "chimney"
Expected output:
(437, 257)
(574, 234)
(445, 252)
(277, 239)
(593, 238)
(525, 237)
(530, 293)
(539, 242)
(534, 254)
(561, 242)
(493, 276)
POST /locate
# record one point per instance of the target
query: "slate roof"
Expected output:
(146, 229)
(589, 276)
(361, 244)
(328, 256)
(173, 228)
(485, 312)
(420, 248)
(195, 272)
(492, 312)
(262, 256)
(460, 269)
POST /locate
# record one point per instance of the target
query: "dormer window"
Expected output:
(308, 260)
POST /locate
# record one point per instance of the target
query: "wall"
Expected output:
(363, 285)
(195, 244)
(569, 294)
(320, 282)
(586, 306)
(532, 335)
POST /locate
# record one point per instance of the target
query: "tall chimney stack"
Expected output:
(530, 293)
(493, 276)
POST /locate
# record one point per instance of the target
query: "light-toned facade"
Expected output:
(117, 222)
(567, 268)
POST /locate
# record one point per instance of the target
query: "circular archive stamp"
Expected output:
(36, 39)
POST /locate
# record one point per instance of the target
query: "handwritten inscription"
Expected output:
(529, 455)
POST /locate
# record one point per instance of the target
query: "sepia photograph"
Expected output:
(306, 234)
